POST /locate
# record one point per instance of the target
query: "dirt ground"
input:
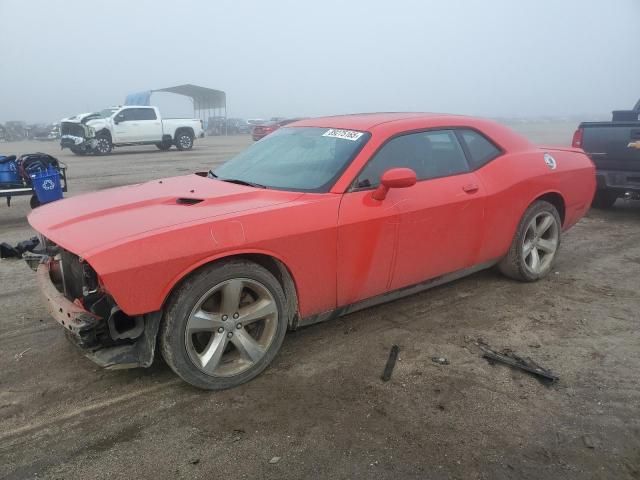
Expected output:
(321, 407)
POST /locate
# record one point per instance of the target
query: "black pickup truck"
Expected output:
(614, 147)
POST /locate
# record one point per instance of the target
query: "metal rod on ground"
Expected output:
(391, 362)
(518, 362)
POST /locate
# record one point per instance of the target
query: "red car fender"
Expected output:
(222, 256)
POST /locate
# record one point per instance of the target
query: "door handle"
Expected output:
(471, 188)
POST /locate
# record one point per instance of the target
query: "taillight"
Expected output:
(577, 138)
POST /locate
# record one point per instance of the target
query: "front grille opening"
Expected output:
(68, 128)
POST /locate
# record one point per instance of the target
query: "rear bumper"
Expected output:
(88, 331)
(617, 180)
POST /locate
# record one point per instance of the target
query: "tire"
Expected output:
(163, 146)
(537, 237)
(34, 202)
(206, 343)
(604, 199)
(184, 141)
(78, 151)
(103, 145)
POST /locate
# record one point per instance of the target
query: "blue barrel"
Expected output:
(9, 170)
(47, 185)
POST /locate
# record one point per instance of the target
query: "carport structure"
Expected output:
(207, 102)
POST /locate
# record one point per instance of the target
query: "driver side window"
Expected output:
(432, 154)
(126, 115)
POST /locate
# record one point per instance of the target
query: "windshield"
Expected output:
(297, 158)
(107, 112)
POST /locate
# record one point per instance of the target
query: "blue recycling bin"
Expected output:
(8, 170)
(47, 185)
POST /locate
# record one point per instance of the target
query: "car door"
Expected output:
(432, 228)
(124, 126)
(149, 126)
(441, 229)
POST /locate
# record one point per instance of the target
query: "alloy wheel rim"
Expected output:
(185, 141)
(103, 146)
(540, 242)
(231, 327)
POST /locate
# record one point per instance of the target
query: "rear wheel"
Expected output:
(604, 199)
(224, 325)
(184, 141)
(535, 244)
(164, 146)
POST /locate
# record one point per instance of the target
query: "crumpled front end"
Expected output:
(77, 136)
(91, 318)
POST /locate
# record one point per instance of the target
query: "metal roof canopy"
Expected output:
(206, 101)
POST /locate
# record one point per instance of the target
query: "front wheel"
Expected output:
(224, 325)
(164, 146)
(103, 145)
(184, 141)
(535, 245)
(78, 151)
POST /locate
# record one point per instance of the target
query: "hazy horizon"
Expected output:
(494, 58)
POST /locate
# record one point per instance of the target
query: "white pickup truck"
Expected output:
(127, 125)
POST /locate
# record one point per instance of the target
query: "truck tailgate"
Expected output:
(613, 145)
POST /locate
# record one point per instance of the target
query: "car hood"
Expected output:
(84, 223)
(77, 118)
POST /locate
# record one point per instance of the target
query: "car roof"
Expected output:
(366, 121)
(387, 124)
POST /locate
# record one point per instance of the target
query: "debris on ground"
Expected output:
(391, 363)
(588, 441)
(194, 461)
(275, 460)
(440, 360)
(508, 357)
(9, 251)
(18, 356)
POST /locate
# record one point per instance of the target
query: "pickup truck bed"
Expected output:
(614, 148)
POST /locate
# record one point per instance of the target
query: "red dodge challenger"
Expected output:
(321, 218)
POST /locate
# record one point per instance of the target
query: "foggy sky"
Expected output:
(283, 58)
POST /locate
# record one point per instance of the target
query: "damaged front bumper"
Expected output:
(77, 136)
(99, 337)
(78, 143)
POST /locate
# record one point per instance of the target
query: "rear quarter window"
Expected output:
(481, 150)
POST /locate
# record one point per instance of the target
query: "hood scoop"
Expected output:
(188, 201)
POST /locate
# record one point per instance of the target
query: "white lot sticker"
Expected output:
(345, 134)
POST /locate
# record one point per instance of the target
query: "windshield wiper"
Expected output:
(242, 182)
(236, 180)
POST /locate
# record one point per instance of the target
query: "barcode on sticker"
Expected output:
(344, 134)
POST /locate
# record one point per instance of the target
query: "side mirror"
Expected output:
(394, 178)
(118, 118)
